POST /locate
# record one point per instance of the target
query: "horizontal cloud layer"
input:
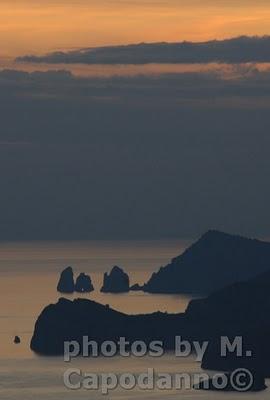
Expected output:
(145, 156)
(237, 50)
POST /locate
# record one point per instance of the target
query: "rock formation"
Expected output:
(216, 260)
(66, 281)
(117, 281)
(84, 284)
(241, 309)
(238, 310)
(17, 340)
(71, 320)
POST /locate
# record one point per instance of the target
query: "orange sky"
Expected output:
(37, 26)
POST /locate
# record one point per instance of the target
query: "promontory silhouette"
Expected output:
(217, 259)
(241, 309)
(117, 281)
(71, 320)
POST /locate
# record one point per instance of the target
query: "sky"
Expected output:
(94, 147)
(37, 26)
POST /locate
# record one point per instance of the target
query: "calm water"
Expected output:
(28, 277)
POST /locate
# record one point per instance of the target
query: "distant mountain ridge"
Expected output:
(216, 260)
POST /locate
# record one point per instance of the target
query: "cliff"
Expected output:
(216, 260)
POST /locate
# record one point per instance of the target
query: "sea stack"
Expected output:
(117, 281)
(66, 281)
(17, 340)
(84, 284)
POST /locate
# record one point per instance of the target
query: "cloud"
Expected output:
(237, 50)
(211, 88)
(132, 157)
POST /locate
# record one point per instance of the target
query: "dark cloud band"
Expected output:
(237, 50)
(133, 157)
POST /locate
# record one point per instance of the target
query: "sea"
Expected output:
(29, 272)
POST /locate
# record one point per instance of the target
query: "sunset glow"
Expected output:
(29, 26)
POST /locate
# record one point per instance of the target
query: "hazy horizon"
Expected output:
(93, 147)
(47, 25)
